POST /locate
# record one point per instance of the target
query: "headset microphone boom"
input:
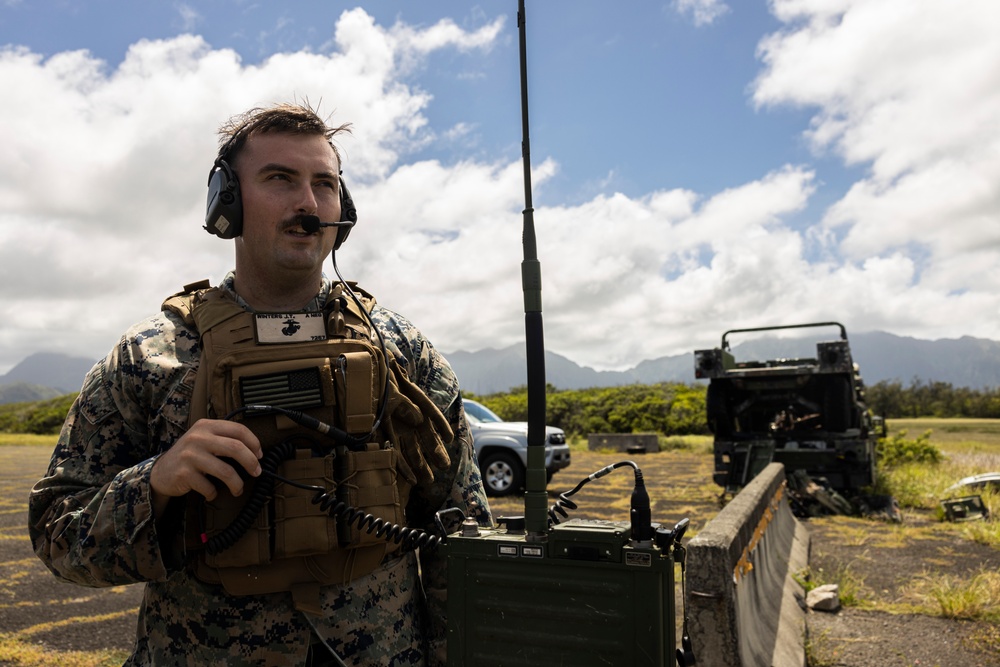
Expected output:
(311, 224)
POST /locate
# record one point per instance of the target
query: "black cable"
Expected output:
(684, 652)
(262, 491)
(640, 513)
(564, 503)
(340, 436)
(378, 334)
(404, 536)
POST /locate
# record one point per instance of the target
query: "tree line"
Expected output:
(667, 408)
(679, 409)
(38, 417)
(932, 399)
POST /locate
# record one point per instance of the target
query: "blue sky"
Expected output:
(664, 100)
(699, 165)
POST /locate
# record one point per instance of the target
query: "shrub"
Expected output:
(896, 450)
(664, 408)
(38, 417)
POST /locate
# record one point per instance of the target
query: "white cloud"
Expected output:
(702, 12)
(102, 186)
(190, 17)
(446, 33)
(102, 180)
(910, 89)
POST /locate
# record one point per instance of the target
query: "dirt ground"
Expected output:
(889, 567)
(39, 612)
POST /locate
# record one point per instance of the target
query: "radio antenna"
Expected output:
(535, 497)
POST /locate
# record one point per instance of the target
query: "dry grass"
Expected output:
(975, 598)
(20, 652)
(971, 446)
(7, 439)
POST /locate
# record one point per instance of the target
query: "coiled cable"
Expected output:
(407, 538)
(260, 494)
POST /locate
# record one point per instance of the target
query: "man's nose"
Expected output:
(307, 200)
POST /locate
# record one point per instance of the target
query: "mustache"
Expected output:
(298, 221)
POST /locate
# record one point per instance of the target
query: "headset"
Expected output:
(224, 214)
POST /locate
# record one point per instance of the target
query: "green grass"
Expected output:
(27, 439)
(968, 598)
(956, 435)
(970, 447)
(851, 586)
(22, 652)
(698, 444)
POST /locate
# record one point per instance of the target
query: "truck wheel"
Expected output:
(503, 474)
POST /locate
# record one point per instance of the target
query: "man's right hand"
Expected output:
(209, 449)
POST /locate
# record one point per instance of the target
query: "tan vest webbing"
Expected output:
(299, 548)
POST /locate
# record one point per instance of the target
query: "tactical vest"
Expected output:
(332, 373)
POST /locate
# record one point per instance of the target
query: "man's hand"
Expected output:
(209, 449)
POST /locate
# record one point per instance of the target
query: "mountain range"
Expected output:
(43, 375)
(962, 362)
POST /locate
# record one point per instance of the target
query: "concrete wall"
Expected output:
(743, 605)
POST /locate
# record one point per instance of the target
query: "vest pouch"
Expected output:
(305, 385)
(337, 381)
(254, 547)
(301, 527)
(367, 482)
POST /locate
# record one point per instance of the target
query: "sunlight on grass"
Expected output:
(76, 620)
(969, 446)
(974, 598)
(954, 434)
(891, 539)
(984, 532)
(852, 589)
(698, 444)
(27, 439)
(988, 638)
(820, 651)
(17, 652)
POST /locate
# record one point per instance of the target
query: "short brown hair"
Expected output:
(287, 118)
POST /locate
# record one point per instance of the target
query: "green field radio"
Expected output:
(534, 591)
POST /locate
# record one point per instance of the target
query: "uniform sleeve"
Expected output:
(466, 491)
(461, 486)
(91, 518)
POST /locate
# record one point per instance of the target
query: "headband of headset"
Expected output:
(224, 213)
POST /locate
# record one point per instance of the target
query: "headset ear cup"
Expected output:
(348, 213)
(224, 212)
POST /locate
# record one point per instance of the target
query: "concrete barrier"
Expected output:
(631, 443)
(744, 608)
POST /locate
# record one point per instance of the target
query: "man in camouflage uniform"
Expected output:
(111, 508)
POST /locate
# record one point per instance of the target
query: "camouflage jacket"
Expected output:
(91, 521)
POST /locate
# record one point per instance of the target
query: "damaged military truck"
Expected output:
(806, 413)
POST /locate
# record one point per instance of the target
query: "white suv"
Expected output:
(502, 449)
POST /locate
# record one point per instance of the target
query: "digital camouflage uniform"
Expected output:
(91, 518)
